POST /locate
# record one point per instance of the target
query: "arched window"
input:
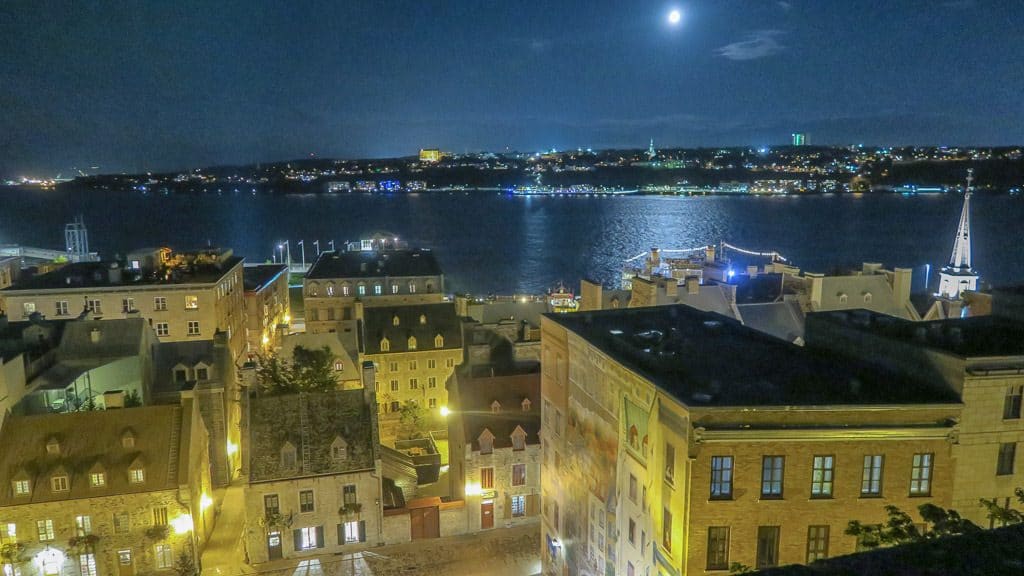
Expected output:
(438, 341)
(395, 321)
(385, 345)
(412, 342)
(867, 297)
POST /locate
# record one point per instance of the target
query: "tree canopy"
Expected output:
(310, 370)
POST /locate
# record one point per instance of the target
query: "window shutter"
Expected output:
(297, 534)
(341, 534)
(533, 504)
(319, 536)
(508, 507)
(362, 530)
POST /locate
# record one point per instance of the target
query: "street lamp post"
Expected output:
(316, 244)
(332, 245)
(302, 250)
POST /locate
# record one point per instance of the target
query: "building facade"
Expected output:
(130, 497)
(677, 441)
(267, 306)
(314, 483)
(185, 296)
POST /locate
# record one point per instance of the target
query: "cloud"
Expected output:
(759, 44)
(785, 6)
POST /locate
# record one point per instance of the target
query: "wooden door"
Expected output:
(125, 566)
(487, 514)
(274, 546)
(425, 522)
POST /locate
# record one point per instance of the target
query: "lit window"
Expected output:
(352, 532)
(487, 478)
(412, 343)
(127, 305)
(871, 478)
(164, 556)
(339, 365)
(395, 320)
(136, 476)
(83, 525)
(20, 487)
(344, 290)
(721, 477)
(362, 290)
(160, 516)
(308, 538)
(87, 564)
(518, 506)
(394, 288)
(45, 530)
(821, 477)
(771, 476)
(412, 288)
(385, 345)
(438, 341)
(921, 475)
(191, 302)
(97, 479)
(817, 543)
(121, 523)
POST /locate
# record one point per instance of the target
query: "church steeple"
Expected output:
(958, 275)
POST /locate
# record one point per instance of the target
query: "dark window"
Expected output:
(718, 548)
(767, 546)
(670, 462)
(306, 501)
(271, 505)
(817, 543)
(1007, 452)
(666, 530)
(721, 477)
(349, 494)
(821, 477)
(1011, 404)
(771, 476)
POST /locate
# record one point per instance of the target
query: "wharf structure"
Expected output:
(679, 441)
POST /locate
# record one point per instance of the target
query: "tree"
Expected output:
(132, 400)
(309, 371)
(413, 419)
(900, 527)
(1004, 515)
(185, 566)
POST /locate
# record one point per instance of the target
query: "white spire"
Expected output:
(958, 275)
(961, 258)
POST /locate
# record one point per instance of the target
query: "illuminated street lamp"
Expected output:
(445, 411)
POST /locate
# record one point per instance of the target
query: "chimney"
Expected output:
(114, 273)
(692, 285)
(901, 281)
(655, 258)
(814, 282)
(671, 287)
(709, 254)
(369, 377)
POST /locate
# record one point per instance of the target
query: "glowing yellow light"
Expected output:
(205, 502)
(182, 524)
(266, 339)
(445, 411)
(287, 319)
(232, 448)
(472, 489)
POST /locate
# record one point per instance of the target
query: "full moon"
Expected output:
(674, 17)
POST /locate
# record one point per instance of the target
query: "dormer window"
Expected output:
(288, 456)
(97, 479)
(867, 297)
(843, 298)
(519, 438)
(395, 321)
(339, 365)
(495, 406)
(438, 341)
(423, 319)
(59, 483)
(53, 446)
(330, 289)
(385, 345)
(486, 441)
(128, 439)
(339, 449)
(21, 487)
(526, 404)
(137, 475)
(412, 342)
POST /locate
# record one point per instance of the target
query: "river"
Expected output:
(487, 242)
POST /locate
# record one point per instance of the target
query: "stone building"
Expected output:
(314, 474)
(378, 275)
(494, 444)
(981, 359)
(185, 296)
(118, 492)
(267, 306)
(415, 348)
(9, 268)
(678, 441)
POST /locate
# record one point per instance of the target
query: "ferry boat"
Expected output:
(561, 300)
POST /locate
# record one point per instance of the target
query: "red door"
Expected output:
(487, 514)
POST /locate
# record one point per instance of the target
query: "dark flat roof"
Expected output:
(97, 275)
(378, 263)
(975, 336)
(255, 278)
(705, 359)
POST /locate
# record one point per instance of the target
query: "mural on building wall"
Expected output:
(589, 481)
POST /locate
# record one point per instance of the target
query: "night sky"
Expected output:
(132, 86)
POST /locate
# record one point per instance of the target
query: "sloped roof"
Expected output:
(441, 319)
(277, 420)
(115, 338)
(87, 439)
(477, 395)
(167, 355)
(784, 320)
(257, 277)
(374, 264)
